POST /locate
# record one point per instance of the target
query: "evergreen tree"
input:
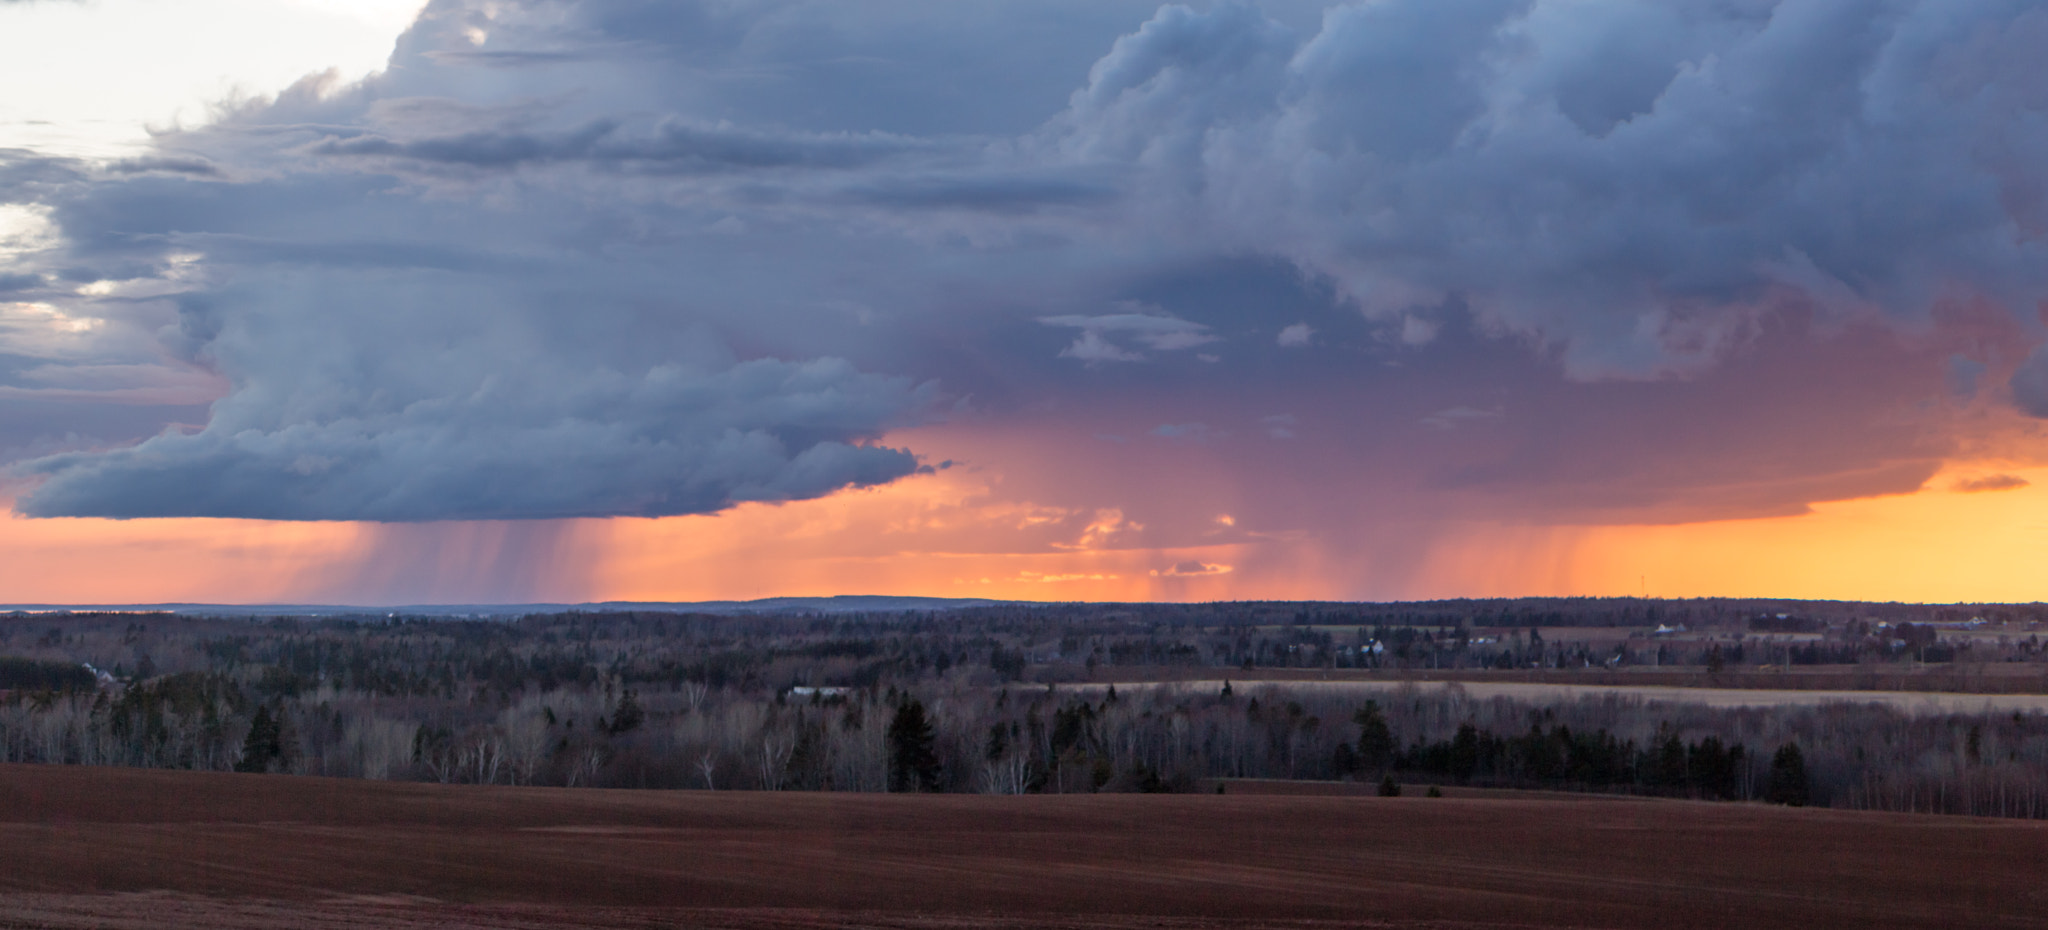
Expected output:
(1344, 760)
(998, 744)
(627, 715)
(1375, 741)
(263, 746)
(913, 763)
(1787, 782)
(1668, 764)
(1389, 788)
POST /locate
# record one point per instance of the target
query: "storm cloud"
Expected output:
(623, 257)
(1633, 183)
(667, 441)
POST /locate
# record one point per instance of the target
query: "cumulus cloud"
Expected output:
(1157, 331)
(468, 367)
(594, 257)
(1108, 528)
(1631, 183)
(1091, 347)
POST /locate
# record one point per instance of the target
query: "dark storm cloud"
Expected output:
(2030, 384)
(24, 173)
(670, 441)
(488, 149)
(669, 146)
(898, 66)
(1554, 259)
(998, 194)
(174, 165)
(1628, 182)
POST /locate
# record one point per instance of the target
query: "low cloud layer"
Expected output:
(668, 441)
(625, 257)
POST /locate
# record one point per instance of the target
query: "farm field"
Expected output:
(1927, 702)
(2021, 678)
(102, 847)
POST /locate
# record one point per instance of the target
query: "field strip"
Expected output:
(1918, 702)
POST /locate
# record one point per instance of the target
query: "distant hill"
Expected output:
(1475, 612)
(844, 603)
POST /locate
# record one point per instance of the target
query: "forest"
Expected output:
(1010, 699)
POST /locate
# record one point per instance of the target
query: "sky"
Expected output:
(571, 300)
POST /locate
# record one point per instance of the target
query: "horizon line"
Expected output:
(854, 602)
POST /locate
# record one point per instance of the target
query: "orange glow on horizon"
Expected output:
(222, 561)
(1946, 543)
(953, 535)
(92, 561)
(940, 535)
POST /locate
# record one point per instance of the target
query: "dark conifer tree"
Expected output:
(913, 763)
(628, 714)
(1344, 760)
(262, 747)
(1375, 741)
(1787, 782)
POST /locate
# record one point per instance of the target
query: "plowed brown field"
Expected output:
(87, 847)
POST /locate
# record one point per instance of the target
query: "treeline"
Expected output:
(1540, 612)
(911, 702)
(1054, 740)
(434, 658)
(19, 674)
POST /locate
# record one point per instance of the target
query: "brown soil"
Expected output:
(1290, 788)
(89, 847)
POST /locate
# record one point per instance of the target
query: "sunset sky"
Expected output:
(371, 302)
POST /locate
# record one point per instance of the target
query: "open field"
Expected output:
(1922, 702)
(1293, 788)
(1945, 678)
(112, 847)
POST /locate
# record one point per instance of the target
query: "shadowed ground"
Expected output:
(92, 847)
